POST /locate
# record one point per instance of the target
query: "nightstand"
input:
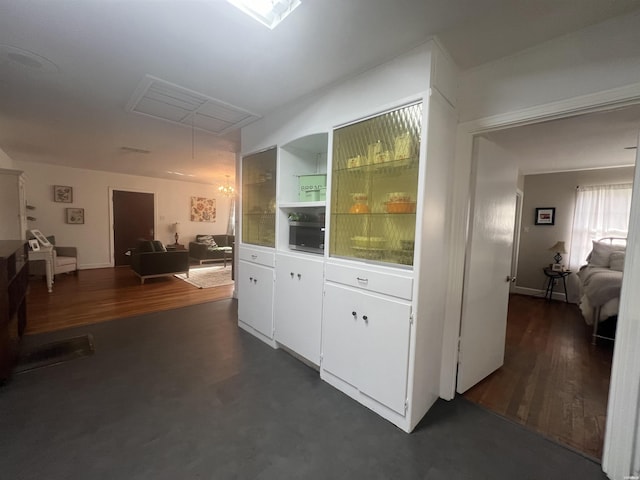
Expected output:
(175, 246)
(554, 275)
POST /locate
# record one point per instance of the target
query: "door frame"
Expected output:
(516, 240)
(624, 395)
(112, 260)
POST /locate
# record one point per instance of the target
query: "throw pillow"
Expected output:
(158, 246)
(206, 239)
(616, 260)
(599, 256)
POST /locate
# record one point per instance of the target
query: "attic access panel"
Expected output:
(172, 103)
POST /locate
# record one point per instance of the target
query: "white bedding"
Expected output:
(600, 287)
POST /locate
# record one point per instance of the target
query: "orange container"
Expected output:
(401, 207)
(359, 208)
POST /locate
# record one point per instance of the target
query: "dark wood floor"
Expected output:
(553, 380)
(92, 296)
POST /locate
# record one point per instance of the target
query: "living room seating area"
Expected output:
(212, 248)
(151, 259)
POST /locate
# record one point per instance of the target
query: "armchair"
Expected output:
(211, 248)
(65, 260)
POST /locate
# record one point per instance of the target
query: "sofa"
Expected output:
(151, 259)
(212, 248)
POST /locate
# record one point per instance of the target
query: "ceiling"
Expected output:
(69, 69)
(594, 140)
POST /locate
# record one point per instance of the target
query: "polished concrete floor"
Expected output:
(185, 394)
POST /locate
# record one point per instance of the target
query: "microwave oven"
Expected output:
(306, 236)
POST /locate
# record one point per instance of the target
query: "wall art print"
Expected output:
(62, 193)
(75, 215)
(203, 209)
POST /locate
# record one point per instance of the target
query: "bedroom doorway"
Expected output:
(521, 400)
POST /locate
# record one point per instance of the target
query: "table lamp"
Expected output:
(559, 248)
(176, 229)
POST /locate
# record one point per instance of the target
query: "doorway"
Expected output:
(133, 220)
(520, 389)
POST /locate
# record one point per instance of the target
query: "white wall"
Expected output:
(5, 160)
(601, 57)
(91, 192)
(555, 190)
(402, 79)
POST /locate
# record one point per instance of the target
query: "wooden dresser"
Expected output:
(14, 277)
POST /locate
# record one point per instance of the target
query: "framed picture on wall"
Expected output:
(62, 193)
(545, 216)
(34, 245)
(75, 215)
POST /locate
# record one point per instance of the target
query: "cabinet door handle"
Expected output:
(254, 256)
(363, 280)
(250, 279)
(255, 280)
(354, 314)
(291, 274)
(299, 276)
(365, 318)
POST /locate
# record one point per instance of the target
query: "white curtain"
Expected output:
(231, 223)
(601, 211)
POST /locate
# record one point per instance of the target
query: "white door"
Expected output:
(384, 349)
(255, 284)
(298, 305)
(488, 264)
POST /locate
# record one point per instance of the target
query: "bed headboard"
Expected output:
(613, 240)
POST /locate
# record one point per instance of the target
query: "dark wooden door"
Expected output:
(133, 220)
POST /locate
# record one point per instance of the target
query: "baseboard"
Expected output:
(534, 292)
(91, 266)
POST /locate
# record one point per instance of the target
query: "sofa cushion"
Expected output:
(207, 240)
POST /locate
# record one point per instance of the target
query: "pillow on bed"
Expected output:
(616, 261)
(599, 256)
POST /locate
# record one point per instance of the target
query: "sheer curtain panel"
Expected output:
(601, 211)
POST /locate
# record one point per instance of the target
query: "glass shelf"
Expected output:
(375, 187)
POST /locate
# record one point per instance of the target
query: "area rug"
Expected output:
(55, 353)
(207, 277)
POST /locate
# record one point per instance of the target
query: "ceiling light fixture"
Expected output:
(267, 12)
(227, 190)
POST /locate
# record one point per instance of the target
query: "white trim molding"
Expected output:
(622, 412)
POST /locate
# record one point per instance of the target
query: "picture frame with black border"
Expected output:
(34, 245)
(545, 216)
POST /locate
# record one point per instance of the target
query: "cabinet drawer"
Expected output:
(254, 255)
(380, 282)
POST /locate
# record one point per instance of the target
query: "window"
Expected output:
(601, 211)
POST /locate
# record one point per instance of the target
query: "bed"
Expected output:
(601, 281)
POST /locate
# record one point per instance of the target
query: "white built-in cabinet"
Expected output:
(13, 217)
(298, 304)
(255, 279)
(365, 343)
(369, 311)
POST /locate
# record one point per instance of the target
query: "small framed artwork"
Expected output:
(75, 215)
(556, 267)
(62, 194)
(40, 238)
(545, 216)
(34, 245)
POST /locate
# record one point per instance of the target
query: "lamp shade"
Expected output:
(558, 247)
(176, 227)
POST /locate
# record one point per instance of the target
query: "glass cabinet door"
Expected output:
(259, 198)
(375, 186)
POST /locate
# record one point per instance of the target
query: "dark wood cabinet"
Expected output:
(14, 276)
